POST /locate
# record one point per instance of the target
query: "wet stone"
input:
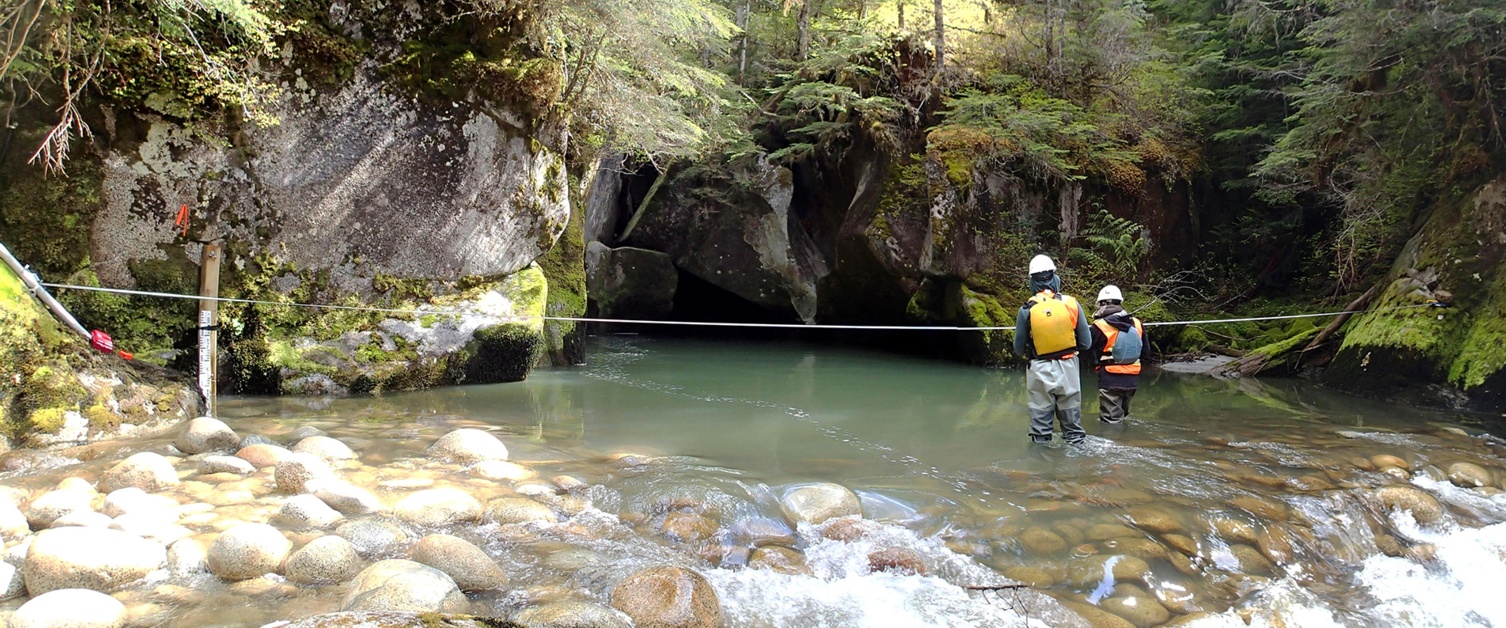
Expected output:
(1387, 460)
(294, 472)
(1097, 617)
(438, 507)
(1276, 544)
(1092, 570)
(263, 455)
(1251, 561)
(897, 560)
(373, 536)
(325, 448)
(1139, 609)
(325, 560)
(1105, 531)
(688, 527)
(572, 614)
(760, 531)
(1069, 532)
(468, 445)
(1423, 507)
(816, 503)
(206, 434)
(88, 558)
(146, 471)
(1260, 507)
(668, 596)
(506, 510)
(1033, 576)
(1153, 520)
(70, 608)
(1144, 549)
(1468, 475)
(403, 585)
(1232, 529)
(1042, 542)
(466, 564)
(248, 550)
(779, 559)
(1181, 543)
(848, 529)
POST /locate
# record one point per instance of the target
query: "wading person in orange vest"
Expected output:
(1118, 340)
(1050, 330)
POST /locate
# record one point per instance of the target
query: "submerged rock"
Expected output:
(780, 559)
(88, 558)
(668, 596)
(1423, 507)
(70, 608)
(403, 585)
(1136, 606)
(1042, 542)
(897, 560)
(466, 564)
(816, 503)
(1468, 475)
(325, 448)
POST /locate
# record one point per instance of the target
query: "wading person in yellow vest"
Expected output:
(1050, 330)
(1118, 341)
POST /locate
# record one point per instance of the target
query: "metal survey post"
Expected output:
(209, 314)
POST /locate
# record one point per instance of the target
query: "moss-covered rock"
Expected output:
(483, 331)
(1458, 257)
(53, 390)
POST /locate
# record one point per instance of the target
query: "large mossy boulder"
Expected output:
(55, 391)
(1458, 258)
(491, 332)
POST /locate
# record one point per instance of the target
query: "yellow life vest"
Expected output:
(1053, 323)
(1111, 334)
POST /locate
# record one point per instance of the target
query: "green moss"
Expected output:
(47, 420)
(52, 387)
(564, 268)
(101, 419)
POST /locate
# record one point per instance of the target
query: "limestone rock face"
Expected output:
(668, 596)
(88, 558)
(404, 585)
(629, 282)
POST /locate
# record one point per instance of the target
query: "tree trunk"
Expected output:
(643, 206)
(940, 37)
(901, 15)
(742, 42)
(803, 22)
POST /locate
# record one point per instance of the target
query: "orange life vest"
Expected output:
(1111, 334)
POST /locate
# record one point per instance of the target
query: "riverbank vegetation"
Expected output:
(1249, 156)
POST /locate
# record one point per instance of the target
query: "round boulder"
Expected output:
(12, 584)
(668, 596)
(1154, 520)
(206, 434)
(1141, 610)
(325, 560)
(262, 455)
(146, 470)
(346, 497)
(466, 564)
(373, 536)
(572, 614)
(404, 585)
(226, 464)
(88, 558)
(815, 503)
(294, 473)
(305, 432)
(1468, 475)
(70, 608)
(307, 511)
(468, 445)
(505, 510)
(324, 447)
(49, 506)
(1424, 507)
(13, 524)
(779, 559)
(897, 560)
(438, 507)
(248, 550)
(133, 500)
(1041, 541)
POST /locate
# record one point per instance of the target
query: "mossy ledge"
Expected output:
(55, 391)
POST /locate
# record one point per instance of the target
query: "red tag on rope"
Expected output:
(101, 341)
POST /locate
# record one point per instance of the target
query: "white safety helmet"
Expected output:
(1110, 293)
(1041, 263)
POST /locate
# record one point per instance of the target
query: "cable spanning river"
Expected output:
(1222, 503)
